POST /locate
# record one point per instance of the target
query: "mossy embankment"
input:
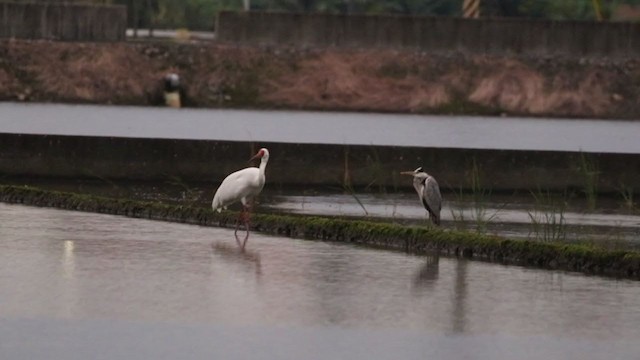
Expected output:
(582, 258)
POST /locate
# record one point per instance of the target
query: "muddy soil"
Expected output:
(217, 75)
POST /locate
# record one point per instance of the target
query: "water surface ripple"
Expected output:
(75, 285)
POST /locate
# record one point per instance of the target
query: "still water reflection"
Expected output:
(75, 283)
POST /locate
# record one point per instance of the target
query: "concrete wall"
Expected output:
(308, 165)
(60, 21)
(519, 36)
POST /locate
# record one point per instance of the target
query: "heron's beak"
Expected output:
(407, 173)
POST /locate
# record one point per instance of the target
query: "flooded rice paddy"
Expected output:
(75, 285)
(80, 285)
(518, 216)
(511, 216)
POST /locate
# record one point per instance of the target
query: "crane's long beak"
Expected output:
(256, 156)
(407, 173)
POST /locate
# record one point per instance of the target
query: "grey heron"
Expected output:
(428, 191)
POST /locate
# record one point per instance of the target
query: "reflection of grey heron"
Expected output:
(428, 272)
(242, 185)
(428, 192)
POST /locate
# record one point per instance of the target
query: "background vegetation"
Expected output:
(200, 14)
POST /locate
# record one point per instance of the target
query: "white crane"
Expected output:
(428, 191)
(242, 185)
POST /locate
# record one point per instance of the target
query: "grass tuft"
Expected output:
(480, 195)
(547, 219)
(590, 172)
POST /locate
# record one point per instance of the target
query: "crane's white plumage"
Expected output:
(429, 193)
(242, 185)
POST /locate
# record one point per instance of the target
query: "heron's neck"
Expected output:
(417, 183)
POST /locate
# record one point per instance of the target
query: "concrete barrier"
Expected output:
(63, 21)
(312, 165)
(509, 35)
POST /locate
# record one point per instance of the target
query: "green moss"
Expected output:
(552, 255)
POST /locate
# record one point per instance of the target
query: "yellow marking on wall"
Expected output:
(471, 9)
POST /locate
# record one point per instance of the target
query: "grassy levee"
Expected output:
(549, 255)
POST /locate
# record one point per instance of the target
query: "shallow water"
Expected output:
(505, 216)
(308, 127)
(75, 285)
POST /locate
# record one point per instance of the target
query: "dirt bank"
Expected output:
(218, 75)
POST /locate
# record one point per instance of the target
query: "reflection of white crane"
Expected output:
(242, 185)
(428, 192)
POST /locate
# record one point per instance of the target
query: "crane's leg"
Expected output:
(238, 220)
(243, 218)
(247, 220)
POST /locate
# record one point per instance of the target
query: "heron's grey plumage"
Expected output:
(429, 193)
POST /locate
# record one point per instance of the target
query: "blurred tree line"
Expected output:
(200, 14)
